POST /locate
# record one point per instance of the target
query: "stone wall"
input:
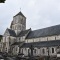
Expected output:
(48, 38)
(6, 42)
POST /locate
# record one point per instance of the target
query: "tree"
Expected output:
(0, 37)
(2, 1)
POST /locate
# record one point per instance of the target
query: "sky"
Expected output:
(39, 13)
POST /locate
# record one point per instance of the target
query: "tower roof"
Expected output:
(20, 13)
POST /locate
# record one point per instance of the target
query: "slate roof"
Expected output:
(23, 33)
(49, 31)
(43, 44)
(20, 13)
(11, 32)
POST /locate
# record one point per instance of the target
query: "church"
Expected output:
(17, 38)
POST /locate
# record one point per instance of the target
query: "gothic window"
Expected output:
(22, 50)
(34, 50)
(28, 52)
(55, 37)
(52, 50)
(47, 38)
(16, 48)
(43, 51)
(19, 39)
(6, 49)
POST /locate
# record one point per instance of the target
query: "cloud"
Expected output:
(39, 13)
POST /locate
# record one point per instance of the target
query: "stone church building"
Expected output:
(19, 39)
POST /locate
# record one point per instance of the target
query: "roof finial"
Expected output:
(20, 9)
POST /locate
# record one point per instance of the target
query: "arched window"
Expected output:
(22, 50)
(52, 50)
(28, 51)
(34, 50)
(9, 40)
(43, 51)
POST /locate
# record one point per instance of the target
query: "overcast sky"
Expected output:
(39, 13)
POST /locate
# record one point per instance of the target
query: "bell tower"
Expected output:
(19, 23)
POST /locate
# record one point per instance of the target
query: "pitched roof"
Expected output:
(20, 13)
(23, 33)
(43, 44)
(49, 31)
(11, 32)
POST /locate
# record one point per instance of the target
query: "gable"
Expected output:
(24, 33)
(12, 32)
(9, 32)
(6, 32)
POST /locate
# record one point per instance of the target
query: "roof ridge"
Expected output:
(25, 30)
(46, 27)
